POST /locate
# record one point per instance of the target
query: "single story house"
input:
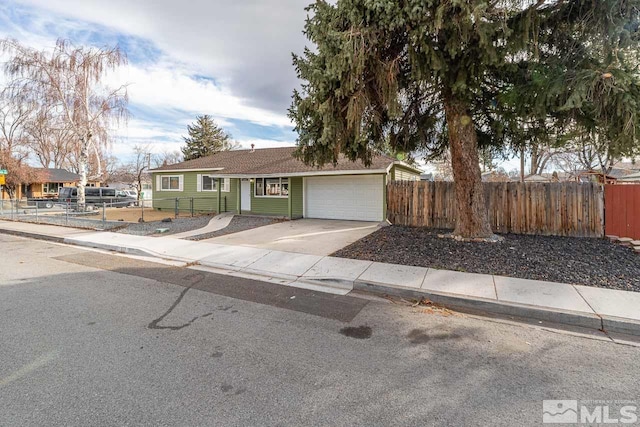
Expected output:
(50, 182)
(271, 181)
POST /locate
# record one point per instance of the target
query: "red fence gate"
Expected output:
(622, 210)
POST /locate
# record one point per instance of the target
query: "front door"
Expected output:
(245, 195)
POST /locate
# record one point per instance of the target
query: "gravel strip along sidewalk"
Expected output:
(580, 261)
(177, 225)
(238, 223)
(85, 222)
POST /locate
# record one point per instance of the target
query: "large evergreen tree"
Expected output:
(205, 138)
(432, 75)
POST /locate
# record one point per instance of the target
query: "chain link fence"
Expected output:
(95, 215)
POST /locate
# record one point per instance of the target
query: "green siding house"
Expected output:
(271, 181)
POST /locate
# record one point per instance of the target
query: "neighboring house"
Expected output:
(53, 180)
(536, 178)
(633, 178)
(271, 181)
(612, 177)
(494, 176)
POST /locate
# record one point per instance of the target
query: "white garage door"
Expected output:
(354, 197)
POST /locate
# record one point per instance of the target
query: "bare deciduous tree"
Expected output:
(140, 163)
(70, 80)
(49, 138)
(15, 112)
(167, 158)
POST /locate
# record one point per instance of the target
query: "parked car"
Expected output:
(41, 203)
(96, 196)
(130, 192)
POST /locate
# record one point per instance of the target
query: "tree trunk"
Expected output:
(83, 161)
(533, 169)
(473, 221)
(522, 161)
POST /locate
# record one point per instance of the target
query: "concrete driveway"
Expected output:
(307, 236)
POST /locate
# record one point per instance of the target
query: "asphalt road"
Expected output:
(88, 338)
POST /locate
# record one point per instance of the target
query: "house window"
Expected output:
(171, 183)
(272, 187)
(210, 183)
(259, 187)
(52, 187)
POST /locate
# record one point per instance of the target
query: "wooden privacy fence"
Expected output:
(622, 213)
(561, 209)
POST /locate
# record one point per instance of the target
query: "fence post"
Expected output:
(37, 220)
(104, 215)
(191, 207)
(142, 218)
(177, 207)
(66, 211)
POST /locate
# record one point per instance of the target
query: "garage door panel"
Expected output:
(345, 197)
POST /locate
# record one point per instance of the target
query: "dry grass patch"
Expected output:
(133, 214)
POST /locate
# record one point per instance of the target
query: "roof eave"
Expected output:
(284, 174)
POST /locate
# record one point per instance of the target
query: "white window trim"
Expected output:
(180, 182)
(226, 185)
(264, 187)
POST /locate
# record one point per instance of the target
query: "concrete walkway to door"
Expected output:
(307, 236)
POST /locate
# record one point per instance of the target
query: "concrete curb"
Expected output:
(621, 325)
(113, 248)
(481, 306)
(45, 237)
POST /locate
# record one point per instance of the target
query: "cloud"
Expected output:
(169, 87)
(245, 44)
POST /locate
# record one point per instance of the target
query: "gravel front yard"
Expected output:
(238, 223)
(177, 225)
(590, 262)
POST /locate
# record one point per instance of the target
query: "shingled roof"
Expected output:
(269, 161)
(58, 175)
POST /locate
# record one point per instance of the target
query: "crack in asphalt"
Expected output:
(155, 323)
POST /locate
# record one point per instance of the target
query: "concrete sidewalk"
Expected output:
(589, 307)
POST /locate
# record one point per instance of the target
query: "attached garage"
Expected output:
(350, 197)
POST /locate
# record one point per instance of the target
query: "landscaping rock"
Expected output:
(178, 225)
(582, 261)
